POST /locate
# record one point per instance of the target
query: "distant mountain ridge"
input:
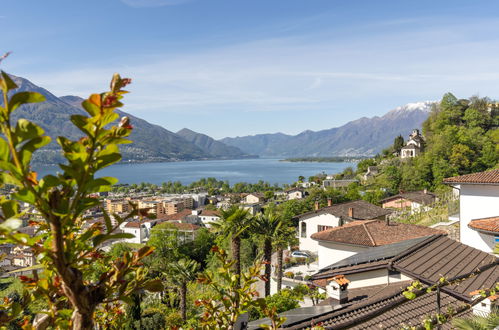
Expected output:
(364, 136)
(150, 142)
(210, 145)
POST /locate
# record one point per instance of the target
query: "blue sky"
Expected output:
(235, 67)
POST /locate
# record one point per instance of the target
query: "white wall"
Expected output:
(476, 202)
(308, 244)
(373, 277)
(330, 252)
(207, 219)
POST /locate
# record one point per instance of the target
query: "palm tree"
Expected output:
(285, 236)
(475, 322)
(233, 223)
(180, 274)
(267, 226)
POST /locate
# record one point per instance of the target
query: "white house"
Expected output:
(295, 193)
(208, 216)
(414, 145)
(140, 230)
(253, 198)
(334, 216)
(338, 243)
(479, 208)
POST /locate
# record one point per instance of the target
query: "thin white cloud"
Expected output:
(153, 3)
(296, 74)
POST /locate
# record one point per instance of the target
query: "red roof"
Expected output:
(133, 225)
(485, 224)
(487, 177)
(374, 233)
(210, 213)
(177, 216)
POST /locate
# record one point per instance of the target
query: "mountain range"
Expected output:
(150, 142)
(364, 136)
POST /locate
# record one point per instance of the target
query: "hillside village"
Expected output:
(406, 238)
(357, 253)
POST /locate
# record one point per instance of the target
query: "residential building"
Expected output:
(208, 216)
(371, 172)
(413, 201)
(334, 216)
(414, 145)
(355, 302)
(295, 193)
(117, 206)
(186, 231)
(339, 243)
(478, 208)
(253, 198)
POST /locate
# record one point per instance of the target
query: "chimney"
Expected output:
(329, 202)
(337, 289)
(425, 191)
(316, 205)
(387, 218)
(350, 212)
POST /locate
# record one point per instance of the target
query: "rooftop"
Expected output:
(374, 233)
(489, 225)
(362, 210)
(420, 197)
(487, 177)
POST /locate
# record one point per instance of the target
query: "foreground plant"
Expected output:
(233, 295)
(66, 249)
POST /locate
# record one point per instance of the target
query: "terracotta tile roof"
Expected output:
(487, 177)
(341, 279)
(210, 213)
(414, 196)
(362, 210)
(177, 216)
(486, 224)
(374, 233)
(133, 225)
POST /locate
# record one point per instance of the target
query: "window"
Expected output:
(322, 228)
(303, 233)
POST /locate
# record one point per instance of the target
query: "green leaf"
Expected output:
(107, 221)
(31, 146)
(11, 224)
(101, 184)
(10, 208)
(91, 108)
(28, 130)
(4, 150)
(409, 295)
(7, 83)
(49, 181)
(25, 195)
(21, 98)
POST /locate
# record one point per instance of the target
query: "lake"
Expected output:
(237, 170)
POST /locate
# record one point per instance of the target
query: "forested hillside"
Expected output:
(462, 136)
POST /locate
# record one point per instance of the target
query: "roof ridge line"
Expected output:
(369, 234)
